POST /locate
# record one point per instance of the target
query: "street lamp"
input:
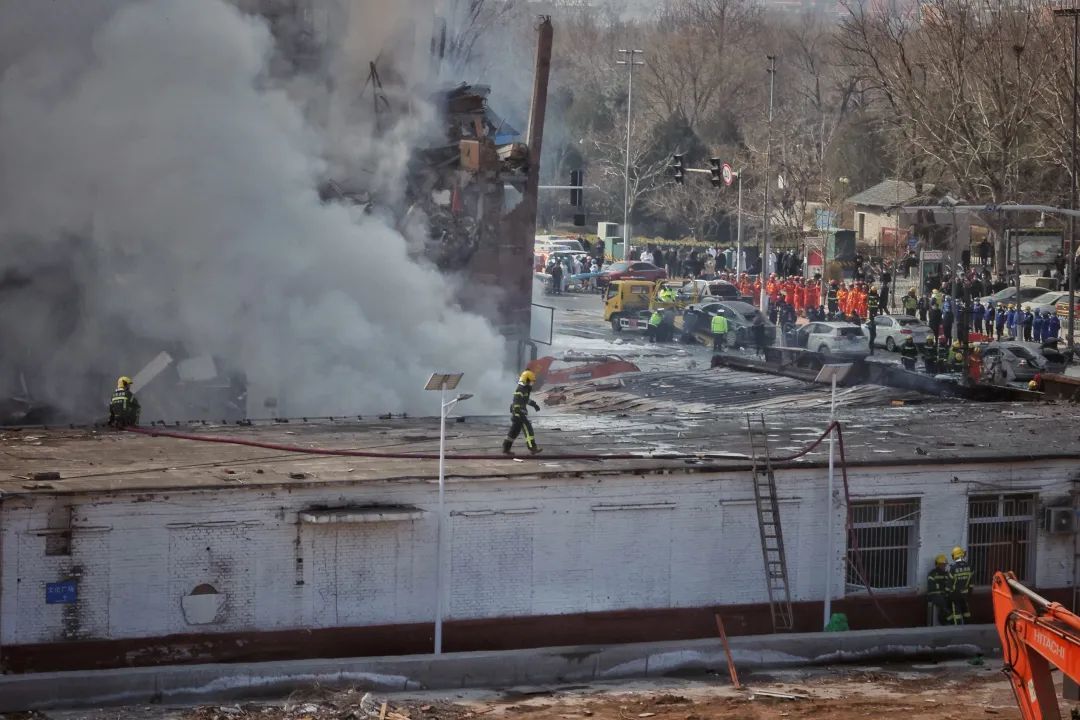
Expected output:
(1074, 13)
(831, 374)
(442, 382)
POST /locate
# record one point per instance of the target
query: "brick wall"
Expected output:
(516, 548)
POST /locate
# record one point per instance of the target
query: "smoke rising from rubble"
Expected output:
(156, 183)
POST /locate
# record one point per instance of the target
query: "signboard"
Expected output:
(1038, 248)
(825, 219)
(61, 593)
(727, 173)
(933, 255)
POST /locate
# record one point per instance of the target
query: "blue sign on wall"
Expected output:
(61, 593)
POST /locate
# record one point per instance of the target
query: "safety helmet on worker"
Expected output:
(958, 553)
(123, 382)
(956, 343)
(941, 560)
(528, 377)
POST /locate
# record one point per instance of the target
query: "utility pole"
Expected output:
(1074, 13)
(768, 179)
(630, 61)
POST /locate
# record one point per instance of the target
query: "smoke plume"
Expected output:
(158, 190)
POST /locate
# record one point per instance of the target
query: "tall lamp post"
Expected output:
(1074, 13)
(630, 61)
(442, 382)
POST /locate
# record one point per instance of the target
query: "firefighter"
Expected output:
(961, 587)
(929, 351)
(124, 406)
(938, 590)
(832, 298)
(519, 413)
(909, 353)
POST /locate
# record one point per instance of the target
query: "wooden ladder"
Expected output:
(772, 537)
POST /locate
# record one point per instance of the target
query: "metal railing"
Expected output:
(887, 536)
(1001, 535)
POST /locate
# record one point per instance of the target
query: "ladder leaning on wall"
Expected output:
(772, 537)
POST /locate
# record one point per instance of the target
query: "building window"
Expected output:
(1001, 535)
(883, 544)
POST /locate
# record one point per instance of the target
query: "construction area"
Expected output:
(952, 690)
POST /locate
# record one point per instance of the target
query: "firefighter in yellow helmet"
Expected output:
(519, 413)
(938, 591)
(961, 587)
(124, 406)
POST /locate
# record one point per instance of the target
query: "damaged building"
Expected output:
(123, 549)
(467, 205)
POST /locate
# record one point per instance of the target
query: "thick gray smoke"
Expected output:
(155, 183)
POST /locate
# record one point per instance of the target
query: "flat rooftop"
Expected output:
(652, 428)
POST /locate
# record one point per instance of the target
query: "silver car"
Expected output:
(892, 331)
(1047, 302)
(1017, 360)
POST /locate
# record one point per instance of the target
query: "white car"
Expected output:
(833, 337)
(892, 331)
(1047, 302)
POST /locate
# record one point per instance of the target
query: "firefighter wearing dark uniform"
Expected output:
(938, 590)
(909, 354)
(831, 298)
(124, 406)
(929, 353)
(519, 414)
(873, 301)
(961, 587)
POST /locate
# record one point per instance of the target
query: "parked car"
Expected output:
(1008, 295)
(833, 337)
(697, 290)
(1047, 302)
(1020, 361)
(894, 330)
(740, 317)
(630, 270)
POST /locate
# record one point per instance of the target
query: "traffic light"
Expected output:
(677, 169)
(716, 172)
(577, 180)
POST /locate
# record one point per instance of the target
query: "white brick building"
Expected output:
(171, 550)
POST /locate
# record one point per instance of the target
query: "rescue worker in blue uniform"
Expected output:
(1000, 321)
(978, 312)
(1037, 323)
(961, 587)
(123, 406)
(519, 414)
(938, 592)
(1052, 328)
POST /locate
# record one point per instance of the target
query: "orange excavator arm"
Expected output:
(1036, 636)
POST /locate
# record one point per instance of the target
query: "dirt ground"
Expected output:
(947, 691)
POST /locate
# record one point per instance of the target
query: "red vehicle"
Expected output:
(630, 270)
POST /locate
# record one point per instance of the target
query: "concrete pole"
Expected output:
(439, 525)
(829, 564)
(738, 231)
(630, 62)
(768, 179)
(1071, 268)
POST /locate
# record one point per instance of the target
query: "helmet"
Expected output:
(956, 343)
(1032, 385)
(958, 553)
(941, 560)
(929, 339)
(123, 382)
(527, 377)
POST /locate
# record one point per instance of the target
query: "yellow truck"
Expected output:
(628, 303)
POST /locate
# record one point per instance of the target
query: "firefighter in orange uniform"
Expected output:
(842, 299)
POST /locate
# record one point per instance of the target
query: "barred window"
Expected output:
(886, 535)
(1001, 535)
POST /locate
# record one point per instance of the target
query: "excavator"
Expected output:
(1036, 635)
